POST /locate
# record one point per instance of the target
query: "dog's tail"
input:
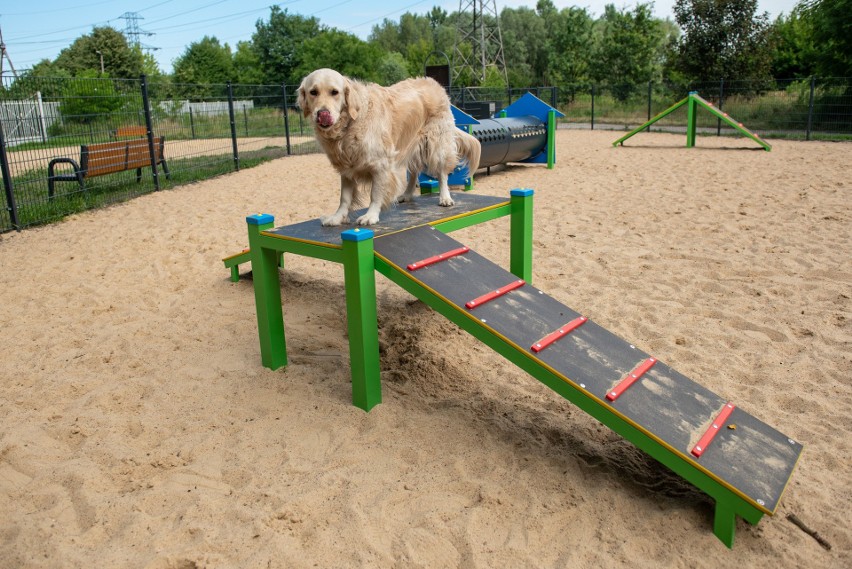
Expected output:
(469, 149)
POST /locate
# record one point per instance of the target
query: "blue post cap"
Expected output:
(693, 92)
(431, 184)
(357, 234)
(521, 192)
(259, 219)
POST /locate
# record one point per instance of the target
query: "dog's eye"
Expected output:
(334, 92)
(314, 92)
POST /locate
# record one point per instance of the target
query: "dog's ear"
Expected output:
(352, 97)
(302, 101)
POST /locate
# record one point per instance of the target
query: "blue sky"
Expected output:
(40, 30)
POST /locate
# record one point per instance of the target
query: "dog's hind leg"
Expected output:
(347, 191)
(411, 187)
(444, 199)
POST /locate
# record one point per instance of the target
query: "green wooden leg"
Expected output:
(691, 121)
(520, 261)
(360, 277)
(725, 523)
(267, 294)
(235, 273)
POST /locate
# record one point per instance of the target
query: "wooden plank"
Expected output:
(755, 460)
(138, 155)
(105, 158)
(422, 211)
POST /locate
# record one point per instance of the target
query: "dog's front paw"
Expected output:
(368, 219)
(446, 201)
(334, 219)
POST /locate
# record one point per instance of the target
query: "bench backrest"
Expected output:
(125, 131)
(110, 157)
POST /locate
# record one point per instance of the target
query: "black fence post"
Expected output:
(149, 126)
(650, 94)
(286, 119)
(810, 109)
(721, 102)
(191, 120)
(233, 126)
(593, 107)
(8, 185)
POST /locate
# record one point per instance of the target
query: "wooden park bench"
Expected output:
(130, 131)
(108, 158)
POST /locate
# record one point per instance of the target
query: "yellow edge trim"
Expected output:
(305, 241)
(226, 259)
(591, 397)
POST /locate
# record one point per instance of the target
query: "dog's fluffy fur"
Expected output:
(374, 135)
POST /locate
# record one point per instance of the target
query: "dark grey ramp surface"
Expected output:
(753, 459)
(422, 211)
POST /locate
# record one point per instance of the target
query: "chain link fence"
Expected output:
(67, 145)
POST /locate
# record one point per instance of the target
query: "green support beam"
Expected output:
(360, 278)
(267, 294)
(694, 102)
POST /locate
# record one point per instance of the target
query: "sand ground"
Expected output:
(139, 429)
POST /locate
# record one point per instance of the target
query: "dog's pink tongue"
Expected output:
(324, 118)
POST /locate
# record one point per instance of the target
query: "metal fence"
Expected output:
(814, 108)
(72, 144)
(67, 145)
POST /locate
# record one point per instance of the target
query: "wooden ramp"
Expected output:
(693, 103)
(741, 462)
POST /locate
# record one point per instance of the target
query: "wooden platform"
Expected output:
(422, 211)
(747, 456)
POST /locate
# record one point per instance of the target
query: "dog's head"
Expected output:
(328, 98)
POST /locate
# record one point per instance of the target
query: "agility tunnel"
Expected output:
(693, 103)
(742, 463)
(523, 132)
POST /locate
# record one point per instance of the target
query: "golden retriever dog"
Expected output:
(375, 135)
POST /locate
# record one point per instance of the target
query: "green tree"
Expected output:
(392, 69)
(278, 44)
(721, 38)
(526, 61)
(44, 77)
(120, 60)
(89, 97)
(204, 61)
(626, 53)
(794, 53)
(831, 22)
(342, 52)
(247, 65)
(569, 45)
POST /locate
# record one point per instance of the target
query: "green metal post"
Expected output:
(520, 260)
(360, 277)
(551, 139)
(267, 294)
(691, 120)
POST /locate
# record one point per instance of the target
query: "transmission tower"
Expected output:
(4, 56)
(132, 31)
(482, 35)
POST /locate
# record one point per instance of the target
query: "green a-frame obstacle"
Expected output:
(742, 463)
(694, 102)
